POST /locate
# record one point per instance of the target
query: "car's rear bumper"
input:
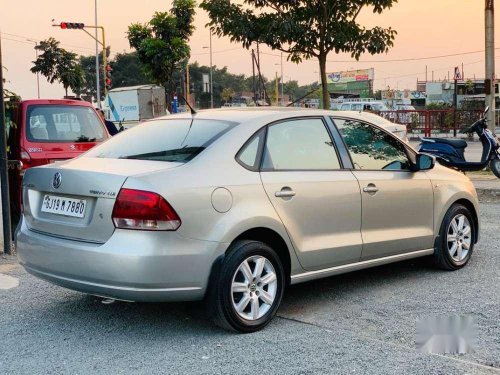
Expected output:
(131, 265)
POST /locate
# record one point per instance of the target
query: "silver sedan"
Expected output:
(232, 206)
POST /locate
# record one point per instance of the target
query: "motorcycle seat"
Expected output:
(457, 143)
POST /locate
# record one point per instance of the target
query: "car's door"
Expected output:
(318, 201)
(397, 203)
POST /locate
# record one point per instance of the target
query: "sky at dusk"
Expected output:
(425, 28)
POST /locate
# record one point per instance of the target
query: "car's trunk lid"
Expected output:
(94, 181)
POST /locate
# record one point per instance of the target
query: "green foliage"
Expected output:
(227, 94)
(162, 43)
(239, 83)
(437, 106)
(127, 71)
(303, 28)
(57, 64)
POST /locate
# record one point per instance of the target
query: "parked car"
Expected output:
(45, 131)
(235, 205)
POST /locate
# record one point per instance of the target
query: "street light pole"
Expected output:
(211, 75)
(37, 74)
(97, 80)
(489, 84)
(282, 83)
(4, 176)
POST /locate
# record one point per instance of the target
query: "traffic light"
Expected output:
(71, 25)
(107, 80)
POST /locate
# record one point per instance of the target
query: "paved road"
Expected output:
(359, 323)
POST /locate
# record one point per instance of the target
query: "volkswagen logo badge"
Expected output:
(56, 181)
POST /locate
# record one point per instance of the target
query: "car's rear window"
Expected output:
(171, 140)
(63, 123)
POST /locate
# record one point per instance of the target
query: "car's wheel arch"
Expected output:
(271, 237)
(468, 203)
(274, 240)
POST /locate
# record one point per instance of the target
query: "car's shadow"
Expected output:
(74, 309)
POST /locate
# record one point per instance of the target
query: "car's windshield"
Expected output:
(63, 123)
(173, 140)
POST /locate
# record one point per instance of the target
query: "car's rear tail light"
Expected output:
(144, 210)
(25, 160)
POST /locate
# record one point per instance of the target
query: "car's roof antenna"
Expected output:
(193, 111)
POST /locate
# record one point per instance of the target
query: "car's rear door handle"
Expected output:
(370, 189)
(285, 192)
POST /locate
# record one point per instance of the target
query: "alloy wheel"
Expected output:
(459, 237)
(254, 287)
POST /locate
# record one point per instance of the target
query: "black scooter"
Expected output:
(450, 152)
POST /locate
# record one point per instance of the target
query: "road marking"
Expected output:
(8, 282)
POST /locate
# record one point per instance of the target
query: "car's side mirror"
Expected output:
(425, 162)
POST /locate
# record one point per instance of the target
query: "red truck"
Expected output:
(45, 131)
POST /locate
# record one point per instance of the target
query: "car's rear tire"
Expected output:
(495, 167)
(248, 288)
(457, 236)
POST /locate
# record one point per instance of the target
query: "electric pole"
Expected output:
(4, 175)
(97, 80)
(489, 83)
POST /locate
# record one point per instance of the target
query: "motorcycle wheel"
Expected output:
(495, 167)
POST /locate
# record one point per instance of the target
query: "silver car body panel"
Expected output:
(131, 265)
(95, 258)
(323, 219)
(399, 216)
(338, 270)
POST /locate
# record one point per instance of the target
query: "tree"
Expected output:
(162, 43)
(128, 70)
(227, 94)
(88, 65)
(57, 64)
(303, 28)
(70, 72)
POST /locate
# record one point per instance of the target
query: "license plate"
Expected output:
(64, 206)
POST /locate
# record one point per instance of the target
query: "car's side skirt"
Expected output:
(311, 275)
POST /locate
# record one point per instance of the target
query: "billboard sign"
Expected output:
(350, 76)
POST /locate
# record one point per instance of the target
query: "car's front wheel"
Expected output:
(457, 237)
(249, 287)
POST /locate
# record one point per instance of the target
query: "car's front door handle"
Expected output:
(286, 192)
(370, 189)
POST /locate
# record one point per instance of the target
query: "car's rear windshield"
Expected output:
(63, 123)
(171, 140)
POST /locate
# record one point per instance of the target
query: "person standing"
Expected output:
(112, 130)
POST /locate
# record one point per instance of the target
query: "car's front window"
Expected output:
(170, 140)
(63, 123)
(371, 148)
